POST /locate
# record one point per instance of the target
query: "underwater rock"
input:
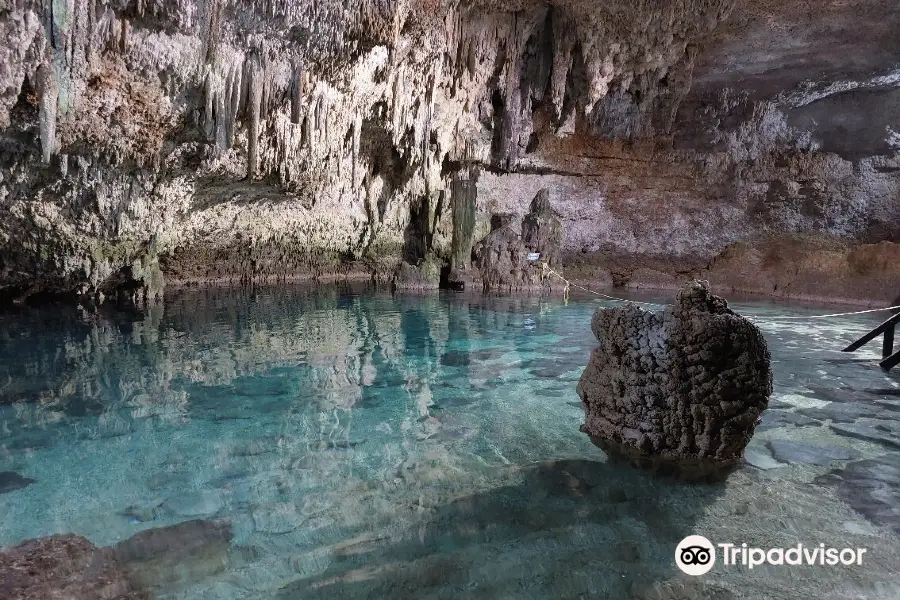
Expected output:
(542, 230)
(456, 358)
(63, 566)
(678, 590)
(142, 513)
(277, 518)
(841, 412)
(796, 452)
(195, 504)
(10, 481)
(761, 459)
(678, 389)
(186, 551)
(884, 432)
(871, 487)
(784, 418)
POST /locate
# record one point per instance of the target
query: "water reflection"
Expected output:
(363, 445)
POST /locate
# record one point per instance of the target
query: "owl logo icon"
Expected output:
(695, 555)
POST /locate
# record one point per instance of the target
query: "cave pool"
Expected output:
(364, 445)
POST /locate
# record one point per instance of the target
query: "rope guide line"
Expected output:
(547, 270)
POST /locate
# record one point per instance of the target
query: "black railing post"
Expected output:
(887, 346)
(890, 359)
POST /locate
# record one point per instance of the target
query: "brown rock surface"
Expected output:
(810, 268)
(681, 388)
(63, 567)
(502, 262)
(542, 231)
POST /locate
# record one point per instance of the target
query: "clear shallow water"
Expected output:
(422, 447)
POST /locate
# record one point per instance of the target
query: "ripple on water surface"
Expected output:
(299, 443)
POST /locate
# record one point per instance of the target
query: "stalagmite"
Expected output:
(677, 390)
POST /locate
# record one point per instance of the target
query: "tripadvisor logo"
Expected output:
(696, 555)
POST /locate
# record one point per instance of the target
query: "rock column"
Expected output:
(463, 196)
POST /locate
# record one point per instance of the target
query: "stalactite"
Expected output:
(564, 45)
(357, 135)
(256, 88)
(309, 122)
(212, 12)
(296, 95)
(223, 121)
(326, 107)
(49, 102)
(229, 104)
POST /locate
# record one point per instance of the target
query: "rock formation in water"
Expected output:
(502, 259)
(426, 275)
(542, 231)
(70, 567)
(502, 262)
(680, 388)
(63, 566)
(215, 140)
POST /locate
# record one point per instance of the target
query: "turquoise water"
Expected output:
(360, 445)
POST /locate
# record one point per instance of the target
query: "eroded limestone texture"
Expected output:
(502, 258)
(542, 231)
(682, 387)
(426, 275)
(502, 261)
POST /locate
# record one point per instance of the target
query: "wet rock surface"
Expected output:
(70, 567)
(426, 275)
(502, 258)
(842, 413)
(783, 418)
(64, 567)
(681, 388)
(761, 458)
(884, 432)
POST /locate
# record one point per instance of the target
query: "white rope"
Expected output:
(843, 314)
(574, 285)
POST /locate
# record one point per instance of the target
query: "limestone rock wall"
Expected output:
(237, 141)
